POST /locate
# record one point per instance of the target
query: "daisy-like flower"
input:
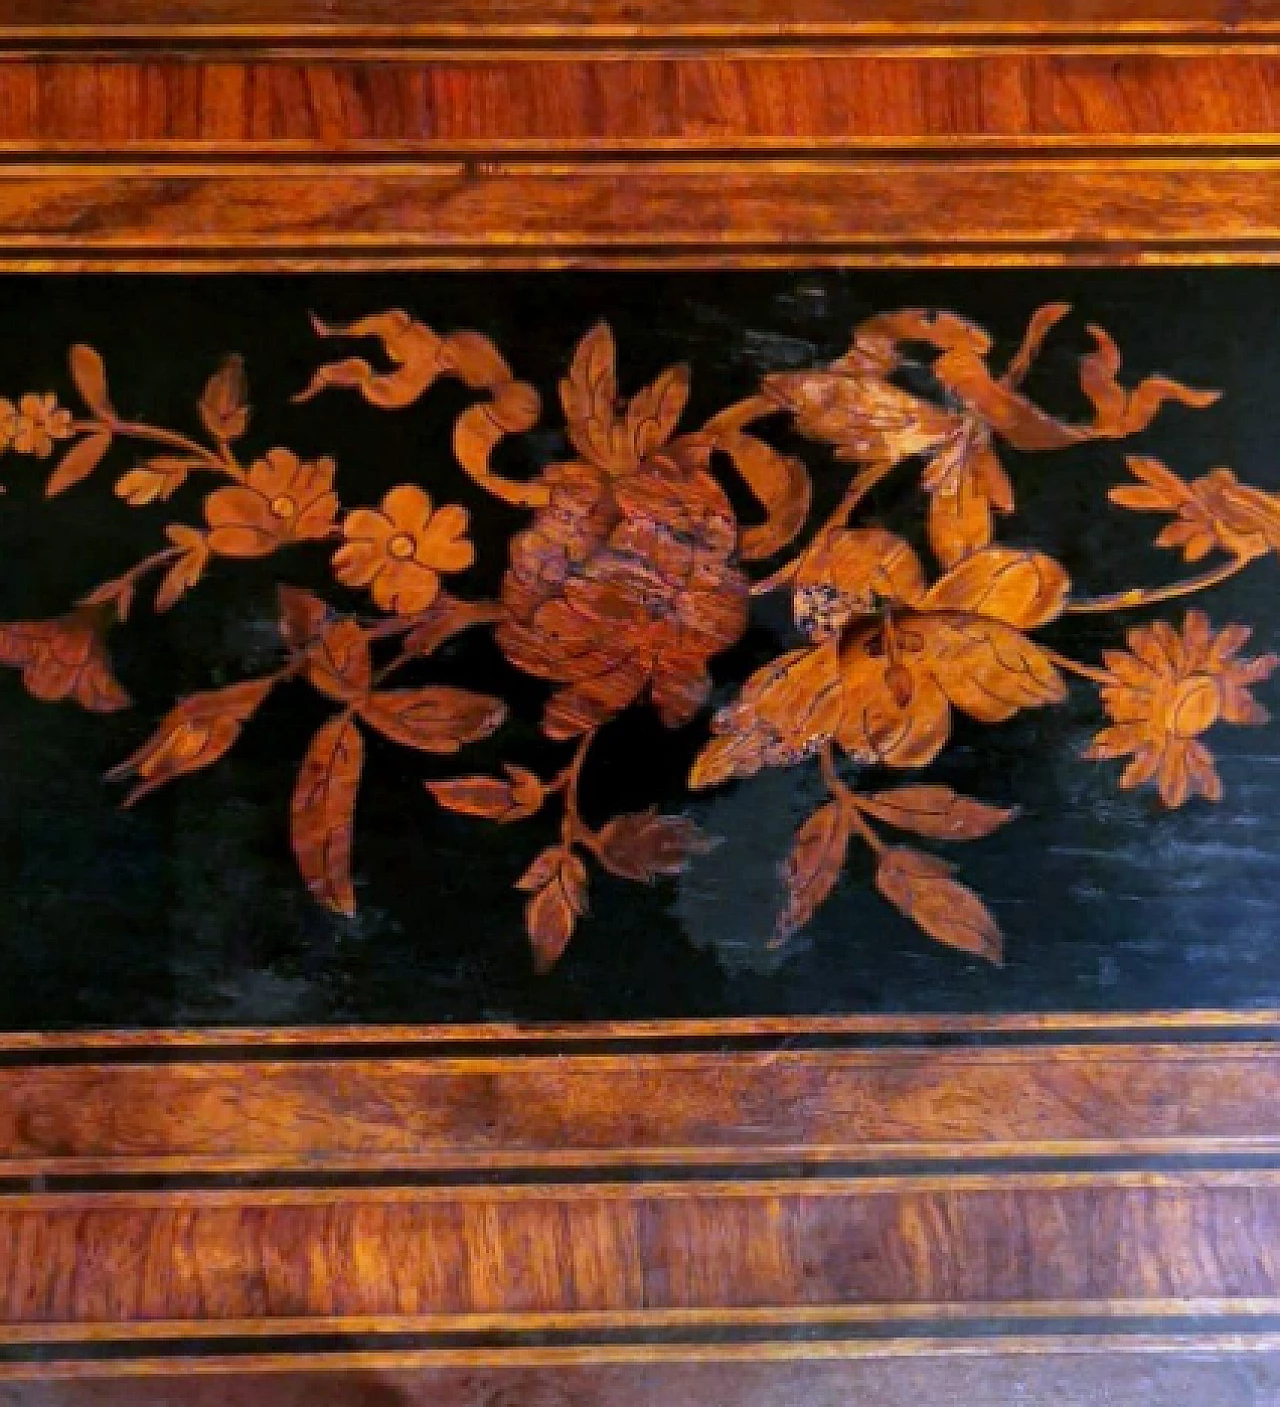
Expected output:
(283, 499)
(1165, 691)
(400, 550)
(38, 421)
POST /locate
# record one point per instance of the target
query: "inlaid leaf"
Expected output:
(642, 845)
(155, 479)
(446, 617)
(987, 668)
(503, 799)
(303, 616)
(937, 812)
(322, 816)
(436, 718)
(921, 887)
(617, 442)
(78, 463)
(64, 659)
(1017, 586)
(89, 376)
(557, 885)
(195, 734)
(967, 485)
(224, 406)
(189, 567)
(785, 712)
(813, 867)
(340, 663)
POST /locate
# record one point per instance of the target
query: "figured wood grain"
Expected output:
(246, 1256)
(310, 1203)
(480, 136)
(1023, 19)
(253, 1205)
(639, 1110)
(694, 101)
(642, 214)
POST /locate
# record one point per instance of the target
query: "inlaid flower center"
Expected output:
(1194, 706)
(401, 547)
(283, 506)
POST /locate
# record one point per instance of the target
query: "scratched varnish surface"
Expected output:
(189, 909)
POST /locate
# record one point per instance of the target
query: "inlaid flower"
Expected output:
(400, 550)
(625, 584)
(283, 499)
(35, 424)
(1168, 689)
(891, 657)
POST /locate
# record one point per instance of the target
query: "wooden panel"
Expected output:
(603, 214)
(481, 136)
(631, 102)
(450, 1202)
(641, 1109)
(885, 20)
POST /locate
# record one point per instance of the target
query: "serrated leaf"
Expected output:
(154, 480)
(187, 570)
(64, 659)
(557, 884)
(302, 616)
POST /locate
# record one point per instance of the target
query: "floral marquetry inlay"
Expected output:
(633, 570)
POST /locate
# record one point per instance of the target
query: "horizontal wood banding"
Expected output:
(558, 1111)
(92, 1264)
(649, 213)
(698, 100)
(255, 19)
(666, 1033)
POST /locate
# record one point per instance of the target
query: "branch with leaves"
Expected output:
(631, 574)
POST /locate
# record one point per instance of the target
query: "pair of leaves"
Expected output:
(618, 438)
(918, 885)
(639, 846)
(556, 883)
(436, 718)
(222, 408)
(89, 376)
(337, 660)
